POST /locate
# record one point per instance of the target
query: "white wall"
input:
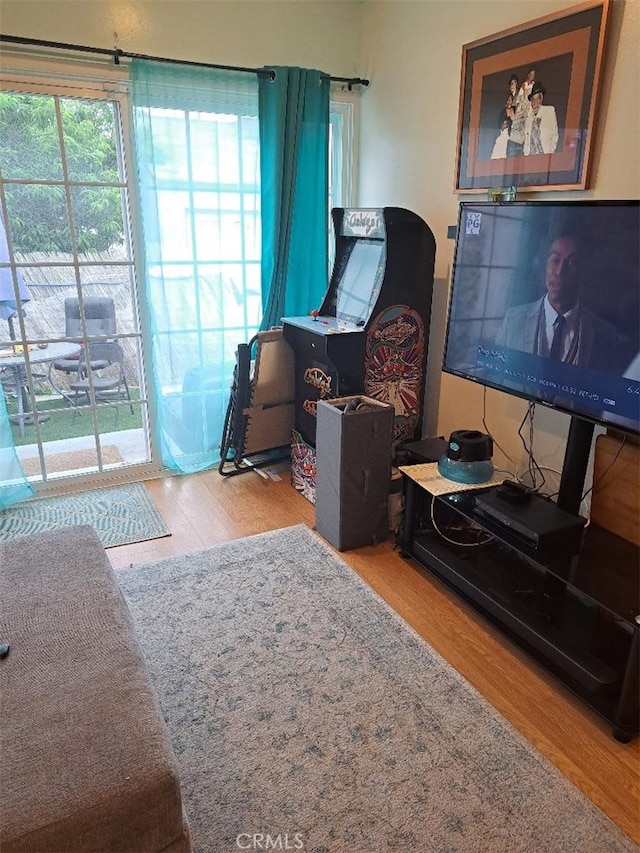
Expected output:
(412, 53)
(251, 33)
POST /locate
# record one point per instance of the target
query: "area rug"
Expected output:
(120, 515)
(305, 713)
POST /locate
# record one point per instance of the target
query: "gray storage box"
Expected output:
(353, 471)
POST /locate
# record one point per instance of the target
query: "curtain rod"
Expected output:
(118, 54)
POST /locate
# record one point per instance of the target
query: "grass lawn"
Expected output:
(63, 425)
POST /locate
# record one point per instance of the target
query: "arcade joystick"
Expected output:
(314, 314)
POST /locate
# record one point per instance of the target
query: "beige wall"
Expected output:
(311, 34)
(412, 52)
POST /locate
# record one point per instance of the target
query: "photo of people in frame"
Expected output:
(540, 138)
(523, 110)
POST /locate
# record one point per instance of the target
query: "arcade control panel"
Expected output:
(325, 325)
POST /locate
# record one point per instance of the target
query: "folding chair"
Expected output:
(260, 414)
(108, 379)
(100, 319)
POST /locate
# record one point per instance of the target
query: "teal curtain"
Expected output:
(198, 186)
(294, 135)
(14, 486)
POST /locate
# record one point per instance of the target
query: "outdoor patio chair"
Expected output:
(108, 380)
(100, 319)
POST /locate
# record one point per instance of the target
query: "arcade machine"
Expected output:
(371, 333)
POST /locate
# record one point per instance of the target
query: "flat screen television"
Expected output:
(518, 267)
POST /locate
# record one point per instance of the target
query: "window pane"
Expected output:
(252, 234)
(29, 133)
(88, 129)
(214, 148)
(116, 284)
(174, 293)
(250, 152)
(97, 219)
(47, 286)
(218, 226)
(169, 155)
(38, 220)
(174, 208)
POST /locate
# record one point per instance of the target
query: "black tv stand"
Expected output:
(574, 468)
(551, 603)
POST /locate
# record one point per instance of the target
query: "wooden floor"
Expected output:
(202, 509)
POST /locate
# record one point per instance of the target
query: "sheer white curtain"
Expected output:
(198, 155)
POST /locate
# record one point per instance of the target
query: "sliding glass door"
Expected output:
(70, 340)
(69, 281)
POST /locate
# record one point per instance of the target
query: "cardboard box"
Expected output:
(353, 470)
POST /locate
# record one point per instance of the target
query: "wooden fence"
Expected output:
(50, 285)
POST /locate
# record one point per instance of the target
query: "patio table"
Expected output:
(16, 362)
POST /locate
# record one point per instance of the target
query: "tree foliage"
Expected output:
(31, 153)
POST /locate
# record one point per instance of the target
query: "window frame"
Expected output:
(344, 108)
(96, 80)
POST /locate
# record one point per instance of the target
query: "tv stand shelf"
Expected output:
(544, 604)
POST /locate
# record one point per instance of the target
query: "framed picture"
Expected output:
(528, 98)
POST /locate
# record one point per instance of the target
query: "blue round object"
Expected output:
(465, 472)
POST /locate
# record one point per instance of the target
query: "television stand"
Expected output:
(548, 601)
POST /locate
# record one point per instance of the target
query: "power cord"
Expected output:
(597, 482)
(356, 405)
(533, 465)
(471, 526)
(493, 438)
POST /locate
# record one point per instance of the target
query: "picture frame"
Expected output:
(517, 146)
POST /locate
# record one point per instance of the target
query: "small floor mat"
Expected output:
(120, 515)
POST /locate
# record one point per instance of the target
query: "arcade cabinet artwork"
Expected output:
(371, 333)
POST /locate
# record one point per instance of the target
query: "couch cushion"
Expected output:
(86, 762)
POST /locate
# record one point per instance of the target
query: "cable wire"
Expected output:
(489, 433)
(442, 535)
(606, 471)
(533, 465)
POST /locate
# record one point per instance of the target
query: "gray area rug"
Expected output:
(303, 710)
(120, 515)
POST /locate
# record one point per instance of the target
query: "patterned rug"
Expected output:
(305, 712)
(120, 515)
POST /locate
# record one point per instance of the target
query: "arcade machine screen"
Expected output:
(355, 294)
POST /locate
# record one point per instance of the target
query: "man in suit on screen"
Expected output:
(559, 325)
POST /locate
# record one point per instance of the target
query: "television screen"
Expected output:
(359, 286)
(545, 304)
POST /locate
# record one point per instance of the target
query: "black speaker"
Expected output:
(353, 471)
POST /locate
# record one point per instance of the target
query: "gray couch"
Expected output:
(85, 759)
